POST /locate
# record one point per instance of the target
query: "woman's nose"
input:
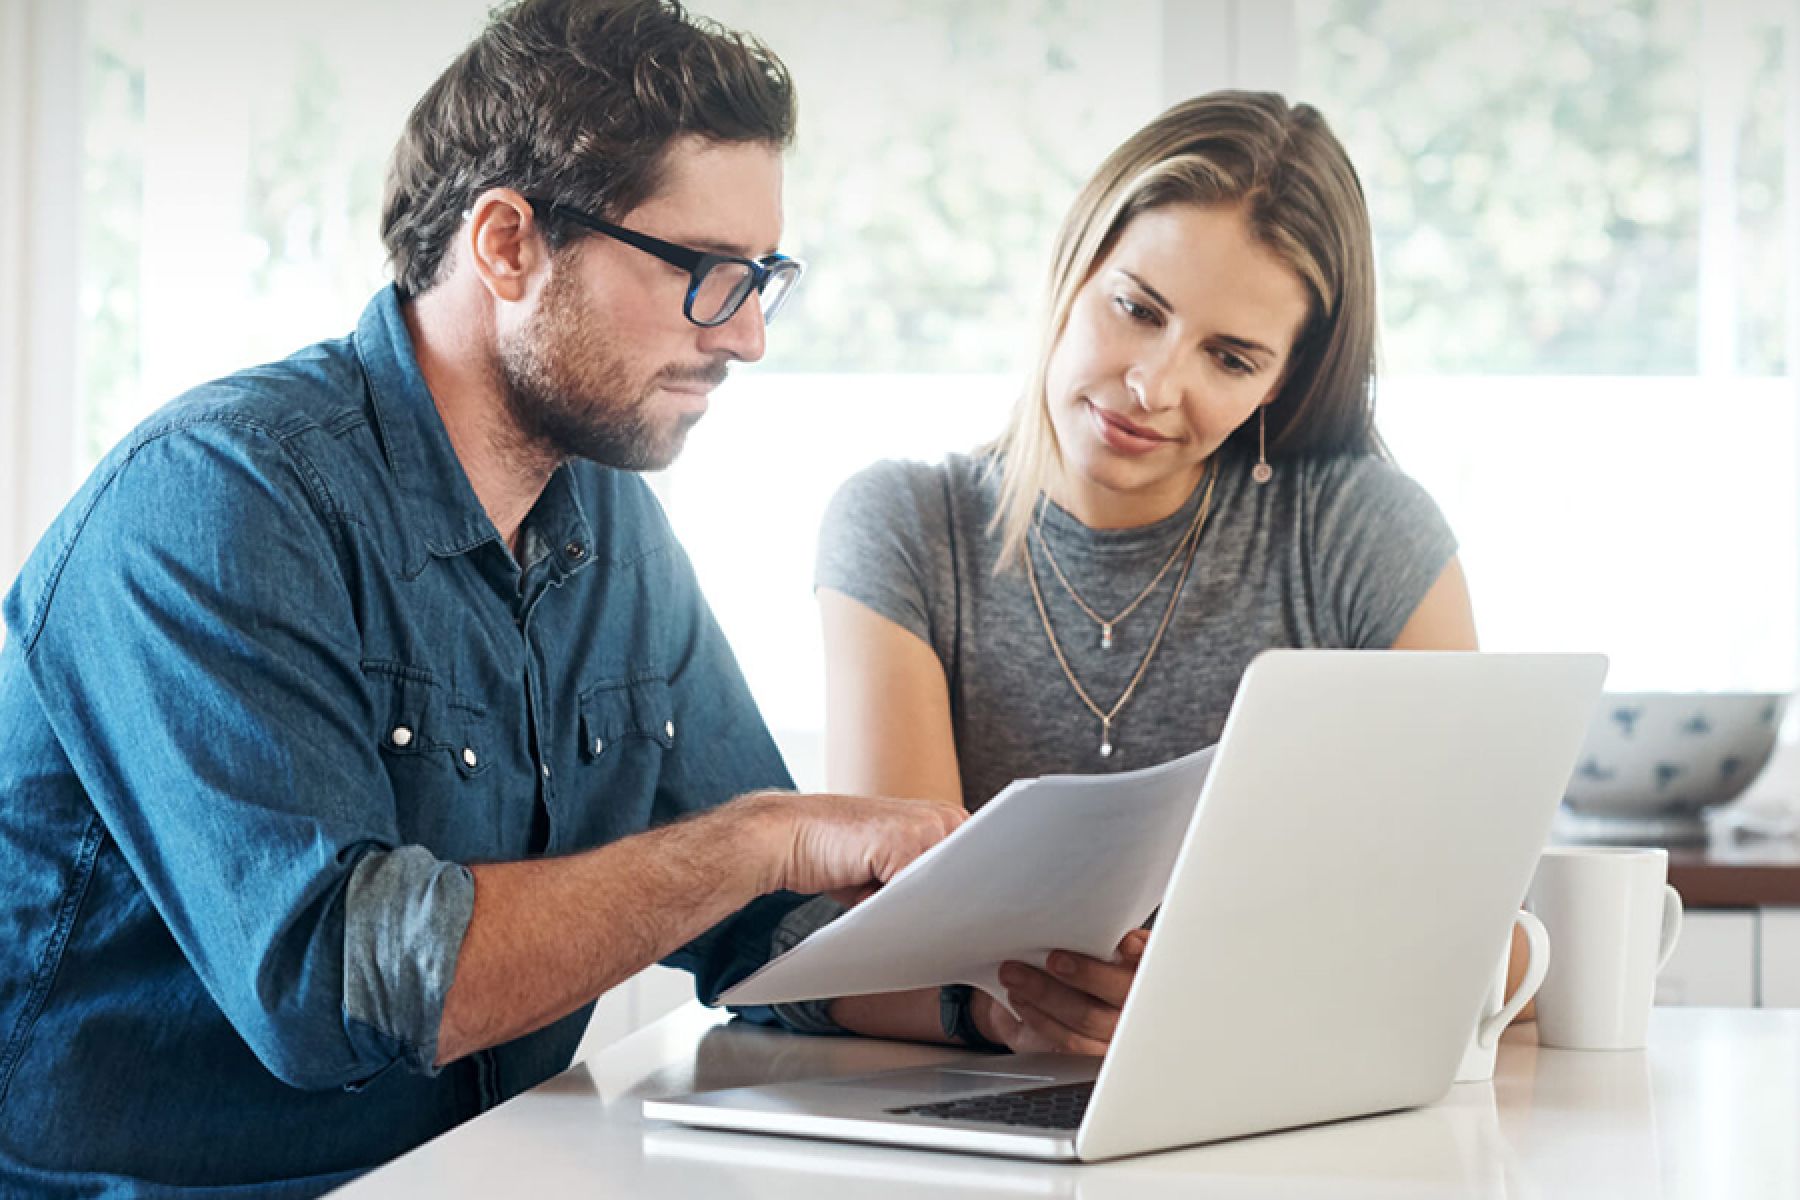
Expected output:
(1153, 388)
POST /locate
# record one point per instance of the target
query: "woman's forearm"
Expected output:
(906, 1016)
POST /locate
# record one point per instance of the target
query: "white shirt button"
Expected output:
(546, 770)
(401, 736)
(668, 729)
(469, 759)
(599, 746)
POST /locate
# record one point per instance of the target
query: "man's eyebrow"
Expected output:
(1230, 339)
(730, 249)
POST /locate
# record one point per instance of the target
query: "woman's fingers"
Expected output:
(1108, 982)
(1044, 1030)
(1084, 998)
(994, 1022)
(1072, 1006)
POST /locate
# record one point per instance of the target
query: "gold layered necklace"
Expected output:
(1185, 549)
(1107, 624)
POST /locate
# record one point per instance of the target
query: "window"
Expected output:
(940, 144)
(234, 164)
(1579, 212)
(234, 160)
(1581, 209)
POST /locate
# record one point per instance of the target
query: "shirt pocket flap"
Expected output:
(632, 708)
(419, 717)
(407, 708)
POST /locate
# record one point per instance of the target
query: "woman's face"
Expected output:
(1183, 331)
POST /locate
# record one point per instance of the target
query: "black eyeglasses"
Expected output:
(718, 284)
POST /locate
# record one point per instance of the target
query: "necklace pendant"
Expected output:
(1106, 637)
(1106, 748)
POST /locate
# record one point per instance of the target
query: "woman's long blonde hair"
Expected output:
(1282, 167)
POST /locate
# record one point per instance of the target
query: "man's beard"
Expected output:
(572, 396)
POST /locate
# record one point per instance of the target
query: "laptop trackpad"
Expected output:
(941, 1081)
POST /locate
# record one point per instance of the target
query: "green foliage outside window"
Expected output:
(1533, 173)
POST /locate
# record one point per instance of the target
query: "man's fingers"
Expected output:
(846, 845)
(850, 897)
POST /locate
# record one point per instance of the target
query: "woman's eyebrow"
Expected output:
(1243, 343)
(1233, 340)
(1148, 290)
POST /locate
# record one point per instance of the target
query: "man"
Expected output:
(351, 710)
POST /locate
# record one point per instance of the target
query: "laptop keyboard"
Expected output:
(1059, 1106)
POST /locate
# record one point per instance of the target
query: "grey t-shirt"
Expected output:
(1331, 552)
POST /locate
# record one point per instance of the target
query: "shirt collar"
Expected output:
(443, 515)
(558, 520)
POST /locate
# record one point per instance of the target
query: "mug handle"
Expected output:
(1537, 939)
(1671, 925)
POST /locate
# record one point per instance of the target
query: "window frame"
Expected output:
(1205, 44)
(40, 193)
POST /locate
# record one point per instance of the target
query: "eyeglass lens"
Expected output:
(725, 287)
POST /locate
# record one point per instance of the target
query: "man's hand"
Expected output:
(847, 846)
(548, 935)
(1072, 1009)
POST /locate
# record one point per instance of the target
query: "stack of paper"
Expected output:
(1069, 862)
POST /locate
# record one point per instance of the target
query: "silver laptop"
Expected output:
(1345, 888)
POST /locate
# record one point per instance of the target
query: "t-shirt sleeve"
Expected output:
(1379, 543)
(876, 544)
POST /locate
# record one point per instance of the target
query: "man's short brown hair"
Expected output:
(576, 102)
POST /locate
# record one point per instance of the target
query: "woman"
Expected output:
(1192, 475)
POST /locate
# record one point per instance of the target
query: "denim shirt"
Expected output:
(271, 683)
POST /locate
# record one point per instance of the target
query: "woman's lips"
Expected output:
(1122, 435)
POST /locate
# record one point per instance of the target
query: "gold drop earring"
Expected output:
(1262, 472)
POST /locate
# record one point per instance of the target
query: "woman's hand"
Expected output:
(1071, 1009)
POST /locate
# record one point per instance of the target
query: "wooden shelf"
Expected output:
(1738, 875)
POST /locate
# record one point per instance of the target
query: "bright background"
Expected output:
(1585, 214)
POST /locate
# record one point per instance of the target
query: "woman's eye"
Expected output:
(1235, 365)
(1134, 310)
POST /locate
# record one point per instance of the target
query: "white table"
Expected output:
(1711, 1110)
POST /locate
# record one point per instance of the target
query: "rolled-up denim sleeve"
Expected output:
(735, 947)
(404, 919)
(195, 648)
(806, 1016)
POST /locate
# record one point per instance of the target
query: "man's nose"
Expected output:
(743, 337)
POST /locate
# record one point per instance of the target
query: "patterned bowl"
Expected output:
(1654, 762)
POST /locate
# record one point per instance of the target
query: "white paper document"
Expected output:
(1070, 862)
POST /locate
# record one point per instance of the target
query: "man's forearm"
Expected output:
(550, 935)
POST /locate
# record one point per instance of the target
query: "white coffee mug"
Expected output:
(1615, 921)
(1497, 1011)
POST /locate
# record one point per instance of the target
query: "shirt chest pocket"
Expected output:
(627, 730)
(439, 748)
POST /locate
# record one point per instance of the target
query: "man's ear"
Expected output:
(504, 244)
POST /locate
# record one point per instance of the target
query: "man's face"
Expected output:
(607, 367)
